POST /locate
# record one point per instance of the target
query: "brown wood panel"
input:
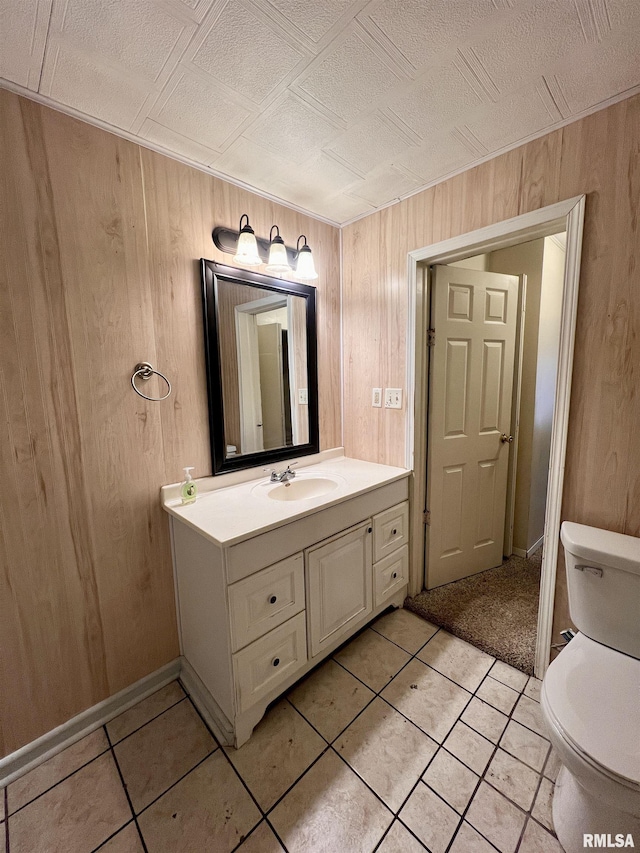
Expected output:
(599, 156)
(99, 269)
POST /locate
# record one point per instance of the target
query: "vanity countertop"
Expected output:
(233, 513)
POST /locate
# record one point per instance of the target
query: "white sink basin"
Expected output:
(301, 488)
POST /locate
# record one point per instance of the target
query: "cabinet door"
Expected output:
(339, 575)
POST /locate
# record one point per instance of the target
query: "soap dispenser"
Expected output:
(188, 489)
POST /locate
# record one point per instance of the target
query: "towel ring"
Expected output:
(145, 371)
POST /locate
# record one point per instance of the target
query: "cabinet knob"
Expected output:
(394, 575)
(272, 599)
(276, 661)
(394, 531)
(369, 529)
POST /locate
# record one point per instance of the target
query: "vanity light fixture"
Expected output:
(305, 269)
(278, 260)
(249, 250)
(247, 247)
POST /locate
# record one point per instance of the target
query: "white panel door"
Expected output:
(339, 585)
(471, 382)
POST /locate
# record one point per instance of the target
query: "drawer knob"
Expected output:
(394, 575)
(272, 599)
(369, 529)
(276, 661)
(394, 531)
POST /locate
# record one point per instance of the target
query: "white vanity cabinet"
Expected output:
(255, 615)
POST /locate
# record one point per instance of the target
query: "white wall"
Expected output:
(546, 375)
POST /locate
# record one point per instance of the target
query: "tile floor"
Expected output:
(407, 740)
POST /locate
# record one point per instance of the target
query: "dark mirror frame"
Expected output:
(211, 272)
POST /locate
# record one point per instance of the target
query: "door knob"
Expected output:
(506, 439)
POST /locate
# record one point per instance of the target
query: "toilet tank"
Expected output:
(603, 580)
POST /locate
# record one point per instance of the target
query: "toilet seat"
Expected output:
(592, 695)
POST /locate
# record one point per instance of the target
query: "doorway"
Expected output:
(542, 223)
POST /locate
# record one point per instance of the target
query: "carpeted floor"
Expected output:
(496, 610)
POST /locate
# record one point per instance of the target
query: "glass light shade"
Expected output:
(247, 251)
(306, 268)
(278, 260)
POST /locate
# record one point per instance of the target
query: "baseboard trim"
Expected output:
(531, 551)
(211, 712)
(519, 552)
(18, 763)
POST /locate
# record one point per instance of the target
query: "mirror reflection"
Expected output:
(262, 342)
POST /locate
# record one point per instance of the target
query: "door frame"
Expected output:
(565, 215)
(515, 419)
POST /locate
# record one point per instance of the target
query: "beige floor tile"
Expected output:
(387, 751)
(329, 810)
(154, 757)
(330, 699)
(525, 745)
(405, 629)
(207, 810)
(49, 773)
(468, 840)
(427, 698)
(76, 815)
(536, 839)
(484, 718)
(451, 779)
(459, 661)
(400, 840)
(513, 778)
(261, 840)
(528, 712)
(144, 711)
(542, 809)
(553, 765)
(431, 819)
(509, 675)
(496, 818)
(532, 689)
(126, 841)
(470, 747)
(497, 694)
(372, 659)
(281, 748)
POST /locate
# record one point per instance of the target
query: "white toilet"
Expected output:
(591, 692)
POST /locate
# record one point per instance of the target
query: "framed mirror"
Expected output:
(262, 373)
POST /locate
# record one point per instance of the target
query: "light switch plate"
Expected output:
(302, 397)
(376, 397)
(393, 398)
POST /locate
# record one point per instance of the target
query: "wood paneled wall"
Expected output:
(598, 156)
(99, 270)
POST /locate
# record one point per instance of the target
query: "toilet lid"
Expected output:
(594, 694)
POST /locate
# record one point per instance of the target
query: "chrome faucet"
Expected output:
(283, 476)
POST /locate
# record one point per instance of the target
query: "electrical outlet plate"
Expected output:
(303, 398)
(393, 398)
(376, 397)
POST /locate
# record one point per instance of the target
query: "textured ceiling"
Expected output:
(334, 106)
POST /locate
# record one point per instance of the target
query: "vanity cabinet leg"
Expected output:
(245, 724)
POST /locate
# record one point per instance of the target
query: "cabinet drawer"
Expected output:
(390, 530)
(265, 600)
(391, 574)
(269, 661)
